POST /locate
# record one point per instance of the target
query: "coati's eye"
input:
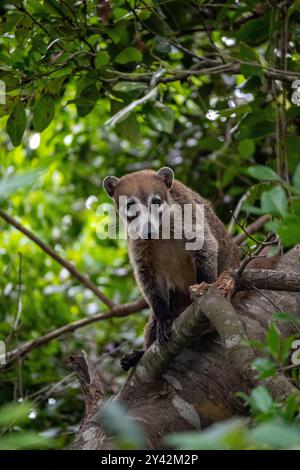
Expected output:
(130, 204)
(156, 201)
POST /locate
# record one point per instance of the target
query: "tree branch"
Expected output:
(267, 279)
(63, 262)
(209, 310)
(190, 325)
(119, 311)
(184, 328)
(90, 382)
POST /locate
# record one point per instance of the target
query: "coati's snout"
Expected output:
(141, 199)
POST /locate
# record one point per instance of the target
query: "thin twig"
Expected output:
(257, 251)
(249, 235)
(237, 210)
(252, 228)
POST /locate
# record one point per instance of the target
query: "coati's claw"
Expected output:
(164, 331)
(130, 360)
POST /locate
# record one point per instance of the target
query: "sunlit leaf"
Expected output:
(129, 54)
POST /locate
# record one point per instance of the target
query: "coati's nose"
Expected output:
(149, 233)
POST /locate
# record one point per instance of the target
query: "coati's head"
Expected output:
(141, 198)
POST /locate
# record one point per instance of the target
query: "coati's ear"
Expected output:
(166, 174)
(109, 184)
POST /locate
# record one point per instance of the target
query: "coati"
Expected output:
(163, 266)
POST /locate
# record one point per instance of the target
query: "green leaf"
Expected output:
(210, 143)
(274, 201)
(127, 87)
(248, 53)
(43, 113)
(238, 110)
(251, 70)
(289, 230)
(286, 346)
(261, 400)
(16, 124)
(129, 54)
(276, 434)
(246, 148)
(23, 440)
(256, 130)
(121, 14)
(159, 117)
(286, 317)
(14, 413)
(128, 128)
(296, 177)
(265, 367)
(87, 99)
(102, 58)
(273, 341)
(291, 407)
(14, 182)
(226, 435)
(118, 423)
(161, 44)
(254, 31)
(263, 173)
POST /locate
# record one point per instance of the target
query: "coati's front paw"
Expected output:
(164, 331)
(131, 360)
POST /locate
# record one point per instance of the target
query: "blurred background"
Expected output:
(219, 71)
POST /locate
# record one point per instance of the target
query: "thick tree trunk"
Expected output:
(178, 388)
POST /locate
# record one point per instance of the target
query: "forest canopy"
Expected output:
(107, 87)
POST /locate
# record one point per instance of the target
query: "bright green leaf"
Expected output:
(129, 54)
(265, 367)
(273, 341)
(261, 400)
(274, 201)
(102, 58)
(289, 230)
(276, 434)
(263, 173)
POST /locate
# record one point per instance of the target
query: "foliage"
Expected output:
(96, 88)
(12, 436)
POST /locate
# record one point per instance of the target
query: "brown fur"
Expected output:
(164, 269)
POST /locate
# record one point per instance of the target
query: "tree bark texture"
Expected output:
(192, 381)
